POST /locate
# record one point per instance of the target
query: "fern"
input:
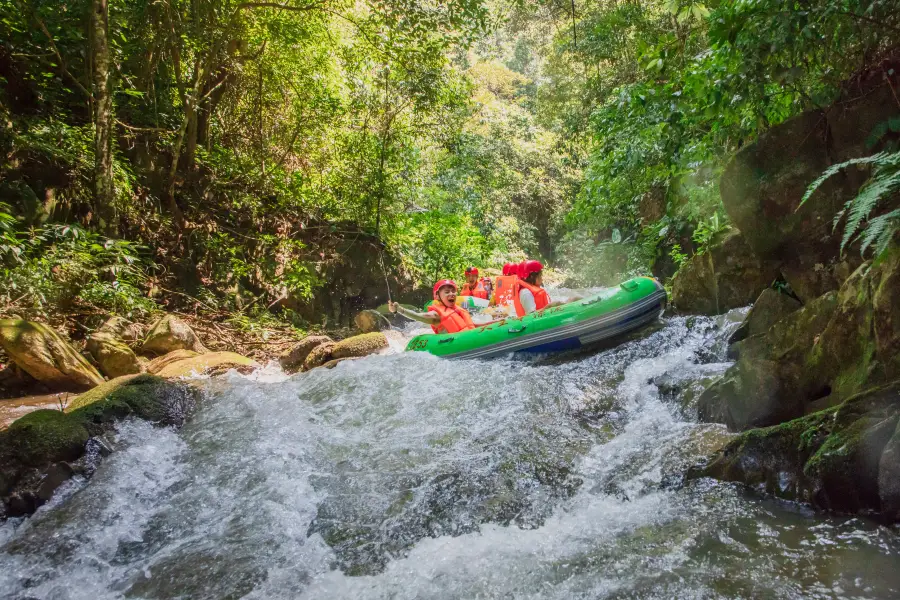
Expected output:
(885, 180)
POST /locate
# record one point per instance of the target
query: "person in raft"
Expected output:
(474, 286)
(443, 315)
(528, 292)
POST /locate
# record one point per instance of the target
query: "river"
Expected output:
(406, 476)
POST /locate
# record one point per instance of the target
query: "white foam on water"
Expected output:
(406, 476)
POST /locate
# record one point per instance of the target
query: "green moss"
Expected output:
(144, 396)
(44, 436)
(360, 345)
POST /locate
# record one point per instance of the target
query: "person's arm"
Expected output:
(429, 318)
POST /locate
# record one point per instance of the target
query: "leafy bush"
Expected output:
(56, 266)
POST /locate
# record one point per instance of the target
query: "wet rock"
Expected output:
(728, 275)
(123, 329)
(113, 356)
(336, 361)
(42, 437)
(169, 334)
(318, 356)
(769, 308)
(58, 474)
(42, 353)
(160, 362)
(889, 478)
(860, 347)
(360, 345)
(771, 382)
(143, 396)
(368, 321)
(211, 363)
(33, 447)
(761, 189)
(835, 459)
(292, 360)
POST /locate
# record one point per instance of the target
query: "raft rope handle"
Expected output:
(445, 340)
(519, 330)
(591, 301)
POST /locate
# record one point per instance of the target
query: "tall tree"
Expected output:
(104, 188)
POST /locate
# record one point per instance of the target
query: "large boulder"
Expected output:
(292, 360)
(318, 356)
(832, 348)
(123, 329)
(763, 185)
(39, 451)
(843, 458)
(368, 321)
(770, 381)
(168, 334)
(42, 353)
(769, 308)
(360, 345)
(113, 356)
(727, 275)
(211, 363)
(160, 362)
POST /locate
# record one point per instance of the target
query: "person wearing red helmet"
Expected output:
(443, 315)
(474, 286)
(528, 295)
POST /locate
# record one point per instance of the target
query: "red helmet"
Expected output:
(507, 269)
(472, 271)
(528, 267)
(441, 284)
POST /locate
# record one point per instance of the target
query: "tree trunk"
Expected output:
(104, 189)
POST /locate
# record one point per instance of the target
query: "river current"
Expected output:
(407, 476)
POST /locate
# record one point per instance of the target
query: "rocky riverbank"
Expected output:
(815, 389)
(126, 370)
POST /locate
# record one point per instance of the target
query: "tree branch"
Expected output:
(62, 63)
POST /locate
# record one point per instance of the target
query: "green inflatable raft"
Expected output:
(611, 312)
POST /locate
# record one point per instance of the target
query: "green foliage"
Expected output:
(874, 232)
(707, 230)
(674, 87)
(55, 266)
(678, 257)
(437, 245)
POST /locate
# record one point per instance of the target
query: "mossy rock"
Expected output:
(319, 355)
(771, 382)
(207, 364)
(44, 436)
(160, 362)
(292, 360)
(42, 353)
(728, 275)
(144, 396)
(834, 459)
(769, 308)
(170, 333)
(368, 321)
(113, 356)
(360, 345)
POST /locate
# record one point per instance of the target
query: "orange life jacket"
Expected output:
(453, 320)
(541, 297)
(504, 287)
(478, 291)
